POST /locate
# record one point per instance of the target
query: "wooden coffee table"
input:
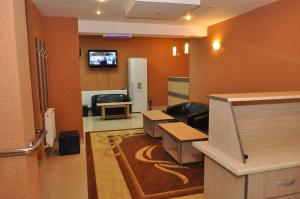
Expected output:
(152, 118)
(124, 105)
(177, 141)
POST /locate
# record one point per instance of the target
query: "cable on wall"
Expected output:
(108, 80)
(99, 75)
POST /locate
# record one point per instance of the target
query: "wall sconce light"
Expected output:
(174, 51)
(216, 45)
(186, 48)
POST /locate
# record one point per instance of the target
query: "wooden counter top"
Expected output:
(157, 115)
(245, 97)
(183, 132)
(279, 158)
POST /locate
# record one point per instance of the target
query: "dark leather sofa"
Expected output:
(201, 123)
(192, 113)
(108, 98)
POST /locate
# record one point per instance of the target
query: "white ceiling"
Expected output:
(208, 13)
(160, 9)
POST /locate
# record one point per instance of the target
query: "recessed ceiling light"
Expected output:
(102, 0)
(188, 17)
(98, 12)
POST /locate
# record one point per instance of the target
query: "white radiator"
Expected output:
(50, 126)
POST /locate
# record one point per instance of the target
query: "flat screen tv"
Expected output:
(102, 59)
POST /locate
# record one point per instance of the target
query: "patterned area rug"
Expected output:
(141, 168)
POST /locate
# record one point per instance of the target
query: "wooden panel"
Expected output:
(175, 100)
(148, 125)
(103, 112)
(267, 124)
(220, 183)
(228, 162)
(182, 132)
(244, 97)
(114, 116)
(293, 196)
(157, 131)
(179, 87)
(171, 146)
(274, 183)
(222, 130)
(261, 161)
(190, 154)
(113, 105)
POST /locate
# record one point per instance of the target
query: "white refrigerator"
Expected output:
(137, 84)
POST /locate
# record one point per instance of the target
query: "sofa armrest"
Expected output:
(201, 117)
(176, 109)
(127, 98)
(93, 100)
(201, 122)
(191, 117)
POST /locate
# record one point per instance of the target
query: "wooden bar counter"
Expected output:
(253, 146)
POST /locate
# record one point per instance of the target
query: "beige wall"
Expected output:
(19, 175)
(260, 52)
(161, 64)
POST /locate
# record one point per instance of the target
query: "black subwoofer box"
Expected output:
(85, 111)
(69, 143)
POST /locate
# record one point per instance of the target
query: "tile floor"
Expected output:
(91, 124)
(65, 177)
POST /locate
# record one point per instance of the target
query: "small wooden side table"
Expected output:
(177, 141)
(124, 105)
(151, 119)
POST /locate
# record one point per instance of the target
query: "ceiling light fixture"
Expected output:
(98, 12)
(102, 1)
(188, 17)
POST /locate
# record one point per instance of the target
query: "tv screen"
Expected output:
(102, 58)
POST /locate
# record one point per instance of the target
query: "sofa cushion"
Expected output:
(187, 112)
(195, 108)
(106, 98)
(181, 118)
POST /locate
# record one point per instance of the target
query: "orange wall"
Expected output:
(161, 64)
(260, 52)
(63, 70)
(19, 175)
(35, 29)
